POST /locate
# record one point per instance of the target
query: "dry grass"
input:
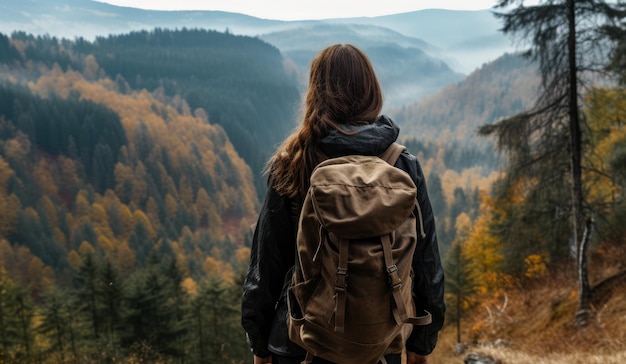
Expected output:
(538, 320)
(512, 356)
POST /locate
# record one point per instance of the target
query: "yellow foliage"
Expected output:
(6, 253)
(241, 260)
(185, 140)
(128, 220)
(5, 174)
(125, 257)
(140, 218)
(17, 148)
(469, 179)
(81, 204)
(74, 260)
(462, 224)
(171, 206)
(211, 265)
(44, 179)
(105, 244)
(220, 270)
(535, 266)
(482, 251)
(40, 276)
(100, 221)
(606, 114)
(32, 214)
(152, 211)
(122, 173)
(69, 175)
(60, 237)
(49, 209)
(185, 191)
(9, 213)
(140, 187)
(92, 68)
(190, 286)
(85, 249)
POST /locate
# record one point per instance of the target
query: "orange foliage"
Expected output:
(74, 260)
(482, 251)
(190, 286)
(140, 218)
(165, 138)
(23, 267)
(42, 174)
(218, 269)
(86, 249)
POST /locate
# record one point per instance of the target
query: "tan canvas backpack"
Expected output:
(351, 300)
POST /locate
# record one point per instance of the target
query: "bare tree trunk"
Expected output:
(584, 300)
(458, 296)
(578, 215)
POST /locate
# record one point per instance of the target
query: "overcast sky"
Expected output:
(308, 9)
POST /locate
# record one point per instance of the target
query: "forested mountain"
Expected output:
(123, 195)
(238, 81)
(500, 88)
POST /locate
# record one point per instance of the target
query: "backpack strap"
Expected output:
(392, 153)
(341, 285)
(399, 312)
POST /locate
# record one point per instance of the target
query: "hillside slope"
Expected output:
(533, 321)
(498, 89)
(238, 81)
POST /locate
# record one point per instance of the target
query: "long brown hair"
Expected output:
(343, 89)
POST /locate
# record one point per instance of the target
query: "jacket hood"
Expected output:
(368, 139)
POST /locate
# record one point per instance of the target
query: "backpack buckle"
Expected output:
(341, 279)
(394, 278)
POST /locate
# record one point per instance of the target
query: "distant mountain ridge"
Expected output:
(406, 69)
(464, 39)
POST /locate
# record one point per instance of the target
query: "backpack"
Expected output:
(350, 299)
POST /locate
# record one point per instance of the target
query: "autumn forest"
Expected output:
(131, 171)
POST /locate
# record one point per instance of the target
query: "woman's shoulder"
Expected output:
(410, 164)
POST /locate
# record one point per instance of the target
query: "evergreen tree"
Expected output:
(24, 315)
(219, 312)
(617, 34)
(565, 39)
(9, 334)
(88, 293)
(111, 288)
(58, 326)
(457, 287)
(149, 318)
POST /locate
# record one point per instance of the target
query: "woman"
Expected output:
(341, 117)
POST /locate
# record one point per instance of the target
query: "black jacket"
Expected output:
(273, 252)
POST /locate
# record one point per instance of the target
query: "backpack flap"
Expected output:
(361, 196)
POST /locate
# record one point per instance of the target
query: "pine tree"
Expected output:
(88, 292)
(110, 306)
(149, 318)
(58, 326)
(566, 41)
(24, 315)
(9, 334)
